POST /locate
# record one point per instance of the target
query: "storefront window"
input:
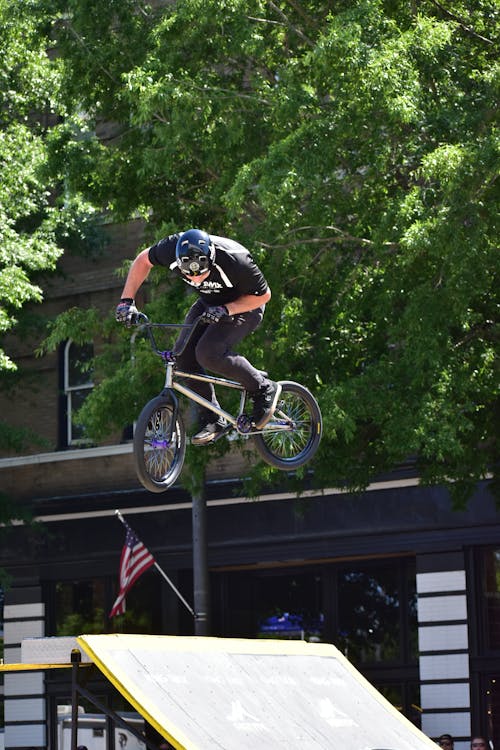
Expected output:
(84, 606)
(489, 642)
(368, 611)
(405, 697)
(290, 607)
(372, 613)
(491, 592)
(143, 613)
(80, 607)
(270, 605)
(491, 699)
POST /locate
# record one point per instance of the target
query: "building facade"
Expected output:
(405, 586)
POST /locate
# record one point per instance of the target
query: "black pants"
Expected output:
(211, 348)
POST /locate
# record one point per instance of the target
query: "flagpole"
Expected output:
(188, 607)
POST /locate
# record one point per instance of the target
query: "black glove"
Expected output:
(214, 314)
(126, 311)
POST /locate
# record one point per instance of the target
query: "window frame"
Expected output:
(68, 392)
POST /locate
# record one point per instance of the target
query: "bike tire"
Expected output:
(287, 450)
(159, 458)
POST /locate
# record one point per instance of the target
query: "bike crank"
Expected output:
(244, 424)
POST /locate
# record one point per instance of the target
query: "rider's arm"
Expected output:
(138, 273)
(248, 302)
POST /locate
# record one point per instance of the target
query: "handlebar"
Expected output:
(142, 320)
(142, 323)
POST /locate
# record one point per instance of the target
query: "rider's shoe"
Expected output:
(209, 432)
(265, 401)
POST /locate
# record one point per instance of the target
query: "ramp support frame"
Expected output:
(76, 690)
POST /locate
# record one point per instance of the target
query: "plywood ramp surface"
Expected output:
(237, 694)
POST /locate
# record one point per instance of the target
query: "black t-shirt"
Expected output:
(234, 272)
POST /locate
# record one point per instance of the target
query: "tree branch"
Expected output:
(484, 330)
(301, 12)
(266, 20)
(343, 236)
(290, 25)
(460, 22)
(91, 53)
(316, 241)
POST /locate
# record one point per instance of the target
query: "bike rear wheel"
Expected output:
(159, 445)
(293, 435)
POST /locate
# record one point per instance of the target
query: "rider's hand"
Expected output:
(126, 311)
(214, 314)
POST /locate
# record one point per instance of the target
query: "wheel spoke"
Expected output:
(288, 444)
(158, 444)
(161, 446)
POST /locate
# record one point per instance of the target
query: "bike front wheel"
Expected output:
(159, 445)
(293, 435)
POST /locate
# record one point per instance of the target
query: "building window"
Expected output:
(80, 607)
(83, 606)
(77, 386)
(290, 606)
(484, 640)
(377, 614)
(491, 593)
(265, 604)
(368, 610)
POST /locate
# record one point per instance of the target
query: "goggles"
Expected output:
(193, 266)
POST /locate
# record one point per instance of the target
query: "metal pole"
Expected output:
(200, 565)
(164, 575)
(76, 658)
(110, 733)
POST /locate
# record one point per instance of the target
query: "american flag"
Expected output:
(134, 561)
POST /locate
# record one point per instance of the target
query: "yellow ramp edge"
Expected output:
(39, 667)
(238, 694)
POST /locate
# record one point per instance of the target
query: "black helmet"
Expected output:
(194, 252)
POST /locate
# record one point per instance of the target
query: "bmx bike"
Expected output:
(289, 440)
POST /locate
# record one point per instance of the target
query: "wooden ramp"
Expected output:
(235, 694)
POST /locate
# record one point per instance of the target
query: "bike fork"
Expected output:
(169, 395)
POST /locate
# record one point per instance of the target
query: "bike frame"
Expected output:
(171, 385)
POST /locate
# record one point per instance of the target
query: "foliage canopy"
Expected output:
(354, 148)
(33, 224)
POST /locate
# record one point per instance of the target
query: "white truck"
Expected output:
(92, 730)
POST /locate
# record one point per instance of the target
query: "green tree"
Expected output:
(37, 221)
(31, 222)
(354, 149)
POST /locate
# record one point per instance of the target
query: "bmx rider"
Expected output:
(232, 295)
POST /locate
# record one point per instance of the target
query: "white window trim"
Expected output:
(68, 394)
